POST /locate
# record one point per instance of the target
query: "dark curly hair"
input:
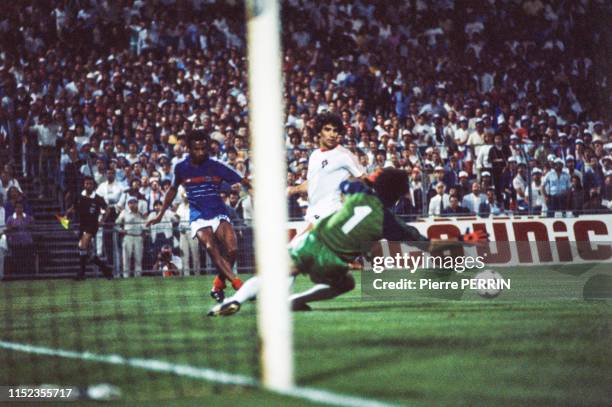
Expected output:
(329, 118)
(198, 135)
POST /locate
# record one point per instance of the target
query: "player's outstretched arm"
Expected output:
(394, 229)
(168, 199)
(472, 238)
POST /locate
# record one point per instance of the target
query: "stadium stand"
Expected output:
(422, 86)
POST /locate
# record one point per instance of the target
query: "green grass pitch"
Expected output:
(426, 352)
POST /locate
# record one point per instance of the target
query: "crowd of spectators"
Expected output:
(492, 106)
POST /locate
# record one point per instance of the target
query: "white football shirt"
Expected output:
(326, 171)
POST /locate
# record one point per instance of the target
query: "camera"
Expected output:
(164, 257)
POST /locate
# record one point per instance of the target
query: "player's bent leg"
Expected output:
(208, 240)
(227, 236)
(247, 292)
(345, 284)
(321, 292)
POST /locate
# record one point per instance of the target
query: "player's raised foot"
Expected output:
(223, 310)
(300, 307)
(217, 295)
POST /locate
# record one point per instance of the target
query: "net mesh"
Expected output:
(125, 332)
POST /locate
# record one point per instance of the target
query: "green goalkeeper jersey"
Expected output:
(361, 221)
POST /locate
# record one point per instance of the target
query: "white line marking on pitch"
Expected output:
(211, 375)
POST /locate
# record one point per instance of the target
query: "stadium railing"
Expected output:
(53, 252)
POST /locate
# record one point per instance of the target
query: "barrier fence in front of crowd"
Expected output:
(46, 250)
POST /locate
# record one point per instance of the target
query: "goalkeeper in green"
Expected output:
(326, 252)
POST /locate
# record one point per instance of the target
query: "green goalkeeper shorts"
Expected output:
(314, 258)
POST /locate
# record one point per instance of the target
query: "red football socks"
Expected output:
(236, 283)
(218, 284)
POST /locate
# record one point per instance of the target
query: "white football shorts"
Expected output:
(205, 223)
(322, 210)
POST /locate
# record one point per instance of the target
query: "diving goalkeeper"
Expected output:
(325, 253)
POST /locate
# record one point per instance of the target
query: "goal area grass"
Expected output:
(425, 351)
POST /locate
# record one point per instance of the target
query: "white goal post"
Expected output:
(266, 115)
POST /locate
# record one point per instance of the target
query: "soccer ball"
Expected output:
(486, 287)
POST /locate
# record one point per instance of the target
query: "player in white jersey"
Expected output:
(327, 168)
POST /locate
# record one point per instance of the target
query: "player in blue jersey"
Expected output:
(208, 216)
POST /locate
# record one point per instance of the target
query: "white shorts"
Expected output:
(205, 223)
(320, 211)
(297, 239)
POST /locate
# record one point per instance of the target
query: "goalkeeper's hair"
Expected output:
(329, 118)
(390, 185)
(198, 135)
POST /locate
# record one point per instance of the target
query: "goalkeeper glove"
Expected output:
(371, 179)
(474, 237)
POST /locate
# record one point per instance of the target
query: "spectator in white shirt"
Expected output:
(472, 201)
(519, 184)
(516, 149)
(555, 188)
(440, 201)
(482, 159)
(110, 189)
(134, 192)
(537, 201)
(132, 230)
(490, 206)
(570, 167)
(155, 193)
(47, 133)
(461, 133)
(161, 233)
(6, 182)
(477, 137)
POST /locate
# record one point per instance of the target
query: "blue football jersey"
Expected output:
(202, 184)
